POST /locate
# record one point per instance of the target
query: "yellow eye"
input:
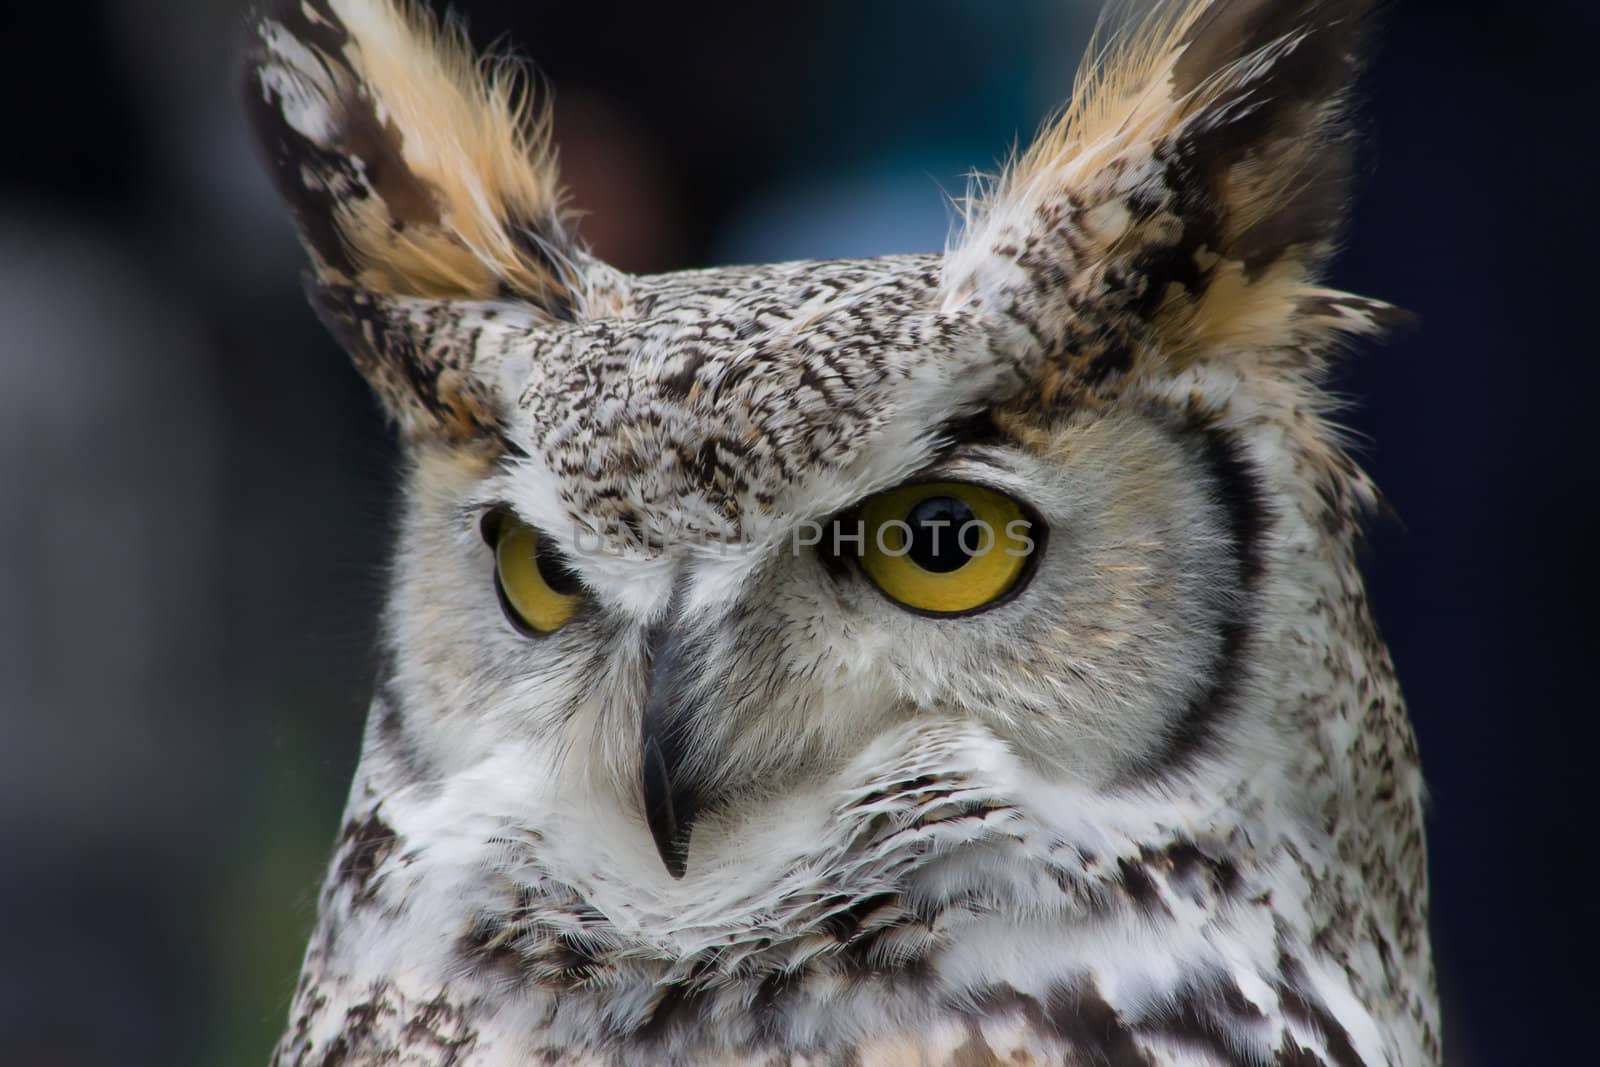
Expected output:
(945, 548)
(539, 593)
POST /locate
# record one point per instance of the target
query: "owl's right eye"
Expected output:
(537, 590)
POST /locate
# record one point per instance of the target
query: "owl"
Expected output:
(948, 659)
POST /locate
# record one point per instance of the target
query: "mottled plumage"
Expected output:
(1160, 805)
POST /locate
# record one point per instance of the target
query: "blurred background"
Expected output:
(197, 489)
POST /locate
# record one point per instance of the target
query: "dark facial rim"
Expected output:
(1038, 530)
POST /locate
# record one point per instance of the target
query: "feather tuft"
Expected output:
(414, 168)
(1184, 202)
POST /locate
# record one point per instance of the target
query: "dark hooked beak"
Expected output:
(674, 793)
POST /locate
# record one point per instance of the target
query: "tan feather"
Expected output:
(433, 168)
(1184, 201)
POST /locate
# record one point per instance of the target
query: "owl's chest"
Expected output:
(1174, 958)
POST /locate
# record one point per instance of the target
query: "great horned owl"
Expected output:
(941, 659)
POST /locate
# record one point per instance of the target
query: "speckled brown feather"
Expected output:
(1184, 202)
(431, 174)
(1162, 809)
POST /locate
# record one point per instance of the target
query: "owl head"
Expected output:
(689, 546)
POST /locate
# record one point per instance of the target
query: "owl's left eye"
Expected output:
(943, 548)
(537, 590)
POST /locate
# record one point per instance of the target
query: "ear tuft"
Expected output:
(1186, 200)
(413, 169)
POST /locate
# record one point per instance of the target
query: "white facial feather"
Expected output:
(1157, 803)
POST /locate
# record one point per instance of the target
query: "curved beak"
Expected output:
(672, 781)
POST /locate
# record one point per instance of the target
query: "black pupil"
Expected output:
(936, 539)
(555, 572)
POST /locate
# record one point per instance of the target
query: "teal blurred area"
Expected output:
(198, 490)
